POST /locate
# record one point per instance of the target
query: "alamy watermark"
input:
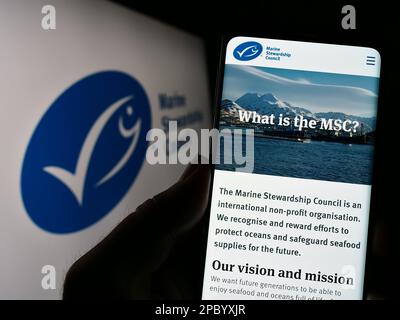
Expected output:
(349, 18)
(49, 17)
(228, 146)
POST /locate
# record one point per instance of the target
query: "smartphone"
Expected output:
(290, 219)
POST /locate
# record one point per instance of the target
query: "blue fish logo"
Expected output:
(86, 152)
(247, 51)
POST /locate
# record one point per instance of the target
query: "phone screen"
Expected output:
(289, 211)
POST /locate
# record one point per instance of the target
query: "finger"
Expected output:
(183, 205)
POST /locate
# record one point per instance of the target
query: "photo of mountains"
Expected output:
(318, 153)
(268, 103)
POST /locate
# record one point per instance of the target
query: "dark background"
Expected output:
(376, 26)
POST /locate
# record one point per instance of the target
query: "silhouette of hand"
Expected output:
(153, 253)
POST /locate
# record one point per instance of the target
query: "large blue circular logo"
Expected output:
(86, 152)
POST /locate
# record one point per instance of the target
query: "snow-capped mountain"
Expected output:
(270, 104)
(266, 104)
(230, 107)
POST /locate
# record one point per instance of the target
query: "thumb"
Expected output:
(183, 205)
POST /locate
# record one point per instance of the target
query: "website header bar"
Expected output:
(309, 56)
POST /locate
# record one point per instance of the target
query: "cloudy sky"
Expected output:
(316, 91)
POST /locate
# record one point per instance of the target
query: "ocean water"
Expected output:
(318, 160)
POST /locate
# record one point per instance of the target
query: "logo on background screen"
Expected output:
(247, 51)
(86, 152)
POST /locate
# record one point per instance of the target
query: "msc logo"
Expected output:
(247, 51)
(86, 152)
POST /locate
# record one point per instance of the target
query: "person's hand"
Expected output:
(153, 253)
